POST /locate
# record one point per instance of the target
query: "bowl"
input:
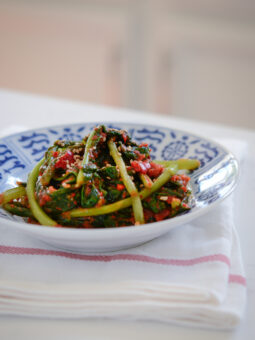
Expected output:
(211, 183)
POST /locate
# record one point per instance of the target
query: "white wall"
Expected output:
(163, 56)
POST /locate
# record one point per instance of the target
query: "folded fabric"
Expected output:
(191, 276)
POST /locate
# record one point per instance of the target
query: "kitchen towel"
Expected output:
(191, 276)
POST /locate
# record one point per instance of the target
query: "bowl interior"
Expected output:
(213, 181)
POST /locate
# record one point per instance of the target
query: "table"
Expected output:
(30, 111)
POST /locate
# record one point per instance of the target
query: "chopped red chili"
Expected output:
(68, 157)
(43, 199)
(120, 187)
(155, 170)
(140, 166)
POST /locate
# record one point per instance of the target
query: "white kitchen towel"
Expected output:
(191, 276)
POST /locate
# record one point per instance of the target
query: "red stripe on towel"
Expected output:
(237, 279)
(125, 257)
(115, 257)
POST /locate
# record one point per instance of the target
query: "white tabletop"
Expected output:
(29, 111)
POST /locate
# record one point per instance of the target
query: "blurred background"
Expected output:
(190, 58)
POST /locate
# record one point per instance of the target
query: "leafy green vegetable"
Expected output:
(89, 170)
(62, 200)
(90, 200)
(113, 195)
(109, 171)
(18, 209)
(154, 204)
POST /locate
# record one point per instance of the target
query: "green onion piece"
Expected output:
(37, 211)
(12, 194)
(182, 163)
(127, 202)
(129, 184)
(80, 177)
(19, 210)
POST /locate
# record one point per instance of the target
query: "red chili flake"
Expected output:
(44, 199)
(124, 136)
(101, 201)
(136, 166)
(139, 166)
(51, 189)
(155, 170)
(184, 188)
(88, 190)
(148, 214)
(140, 156)
(144, 144)
(185, 179)
(103, 136)
(175, 178)
(55, 154)
(120, 187)
(66, 215)
(87, 225)
(94, 154)
(170, 199)
(185, 205)
(32, 221)
(163, 214)
(63, 160)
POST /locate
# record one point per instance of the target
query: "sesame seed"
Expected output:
(66, 185)
(163, 198)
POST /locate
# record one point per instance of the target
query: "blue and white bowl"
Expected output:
(211, 183)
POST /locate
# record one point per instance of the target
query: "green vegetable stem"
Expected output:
(129, 184)
(12, 194)
(80, 177)
(37, 211)
(182, 163)
(127, 202)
